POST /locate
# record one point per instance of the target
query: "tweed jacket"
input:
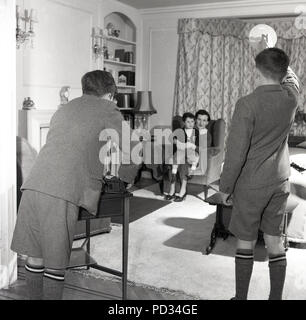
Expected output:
(68, 166)
(257, 149)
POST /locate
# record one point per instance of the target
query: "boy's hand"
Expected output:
(261, 45)
(226, 199)
(221, 199)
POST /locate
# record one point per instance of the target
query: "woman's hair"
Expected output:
(272, 63)
(188, 115)
(98, 83)
(203, 113)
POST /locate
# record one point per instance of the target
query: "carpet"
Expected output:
(166, 251)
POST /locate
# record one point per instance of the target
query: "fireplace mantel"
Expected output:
(34, 125)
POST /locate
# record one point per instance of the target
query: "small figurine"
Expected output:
(64, 95)
(116, 33)
(110, 29)
(28, 104)
(122, 80)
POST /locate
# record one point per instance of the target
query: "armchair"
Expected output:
(209, 170)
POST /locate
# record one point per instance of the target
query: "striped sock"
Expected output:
(34, 281)
(244, 261)
(277, 266)
(54, 285)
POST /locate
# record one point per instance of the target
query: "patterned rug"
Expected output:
(166, 246)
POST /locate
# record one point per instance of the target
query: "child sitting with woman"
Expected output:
(187, 151)
(187, 146)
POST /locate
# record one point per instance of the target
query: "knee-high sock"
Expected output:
(53, 285)
(34, 281)
(244, 261)
(277, 266)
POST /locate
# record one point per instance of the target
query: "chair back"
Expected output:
(217, 130)
(177, 123)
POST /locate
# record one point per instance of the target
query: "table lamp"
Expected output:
(143, 110)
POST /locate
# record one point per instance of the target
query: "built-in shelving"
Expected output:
(120, 63)
(128, 63)
(125, 87)
(121, 41)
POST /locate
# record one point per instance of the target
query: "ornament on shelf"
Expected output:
(64, 94)
(110, 29)
(122, 80)
(116, 33)
(28, 104)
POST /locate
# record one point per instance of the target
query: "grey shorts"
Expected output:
(45, 229)
(261, 208)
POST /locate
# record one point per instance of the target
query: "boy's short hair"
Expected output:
(202, 112)
(98, 83)
(272, 63)
(188, 115)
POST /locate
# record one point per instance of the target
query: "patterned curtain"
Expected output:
(215, 63)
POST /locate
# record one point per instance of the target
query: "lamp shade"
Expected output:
(144, 103)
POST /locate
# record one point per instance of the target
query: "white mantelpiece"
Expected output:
(34, 126)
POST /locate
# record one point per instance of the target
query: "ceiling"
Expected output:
(146, 4)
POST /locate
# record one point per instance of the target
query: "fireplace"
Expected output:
(34, 126)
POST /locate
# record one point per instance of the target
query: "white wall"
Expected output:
(160, 41)
(62, 47)
(8, 259)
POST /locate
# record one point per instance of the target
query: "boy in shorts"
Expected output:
(256, 168)
(66, 175)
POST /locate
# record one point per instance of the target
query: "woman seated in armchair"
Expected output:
(184, 171)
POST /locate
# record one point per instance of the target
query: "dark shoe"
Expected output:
(168, 197)
(180, 199)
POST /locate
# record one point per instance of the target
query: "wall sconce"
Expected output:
(27, 33)
(97, 42)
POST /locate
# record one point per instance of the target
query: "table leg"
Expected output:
(125, 246)
(285, 236)
(88, 239)
(213, 239)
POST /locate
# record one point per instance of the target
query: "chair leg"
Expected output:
(285, 235)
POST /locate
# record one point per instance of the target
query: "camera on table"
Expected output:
(112, 184)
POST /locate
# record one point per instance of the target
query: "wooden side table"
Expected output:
(223, 216)
(110, 205)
